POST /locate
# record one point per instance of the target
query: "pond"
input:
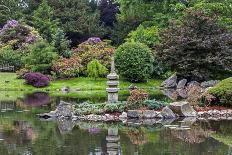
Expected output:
(22, 133)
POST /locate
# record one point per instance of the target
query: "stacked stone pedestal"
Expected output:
(112, 83)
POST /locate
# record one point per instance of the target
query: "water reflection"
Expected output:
(37, 99)
(23, 133)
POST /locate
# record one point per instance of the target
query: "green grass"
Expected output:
(82, 83)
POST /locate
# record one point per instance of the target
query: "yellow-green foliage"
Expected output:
(95, 69)
(223, 91)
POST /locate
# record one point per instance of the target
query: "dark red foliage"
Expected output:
(199, 48)
(36, 79)
(37, 99)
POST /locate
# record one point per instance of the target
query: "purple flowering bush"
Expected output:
(36, 79)
(93, 40)
(17, 35)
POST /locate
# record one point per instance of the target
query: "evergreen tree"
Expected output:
(61, 43)
(44, 21)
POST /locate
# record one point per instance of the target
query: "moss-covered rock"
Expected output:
(223, 91)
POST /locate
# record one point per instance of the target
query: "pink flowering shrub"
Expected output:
(94, 48)
(36, 79)
(67, 67)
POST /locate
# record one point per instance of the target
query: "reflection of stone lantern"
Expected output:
(112, 83)
(113, 144)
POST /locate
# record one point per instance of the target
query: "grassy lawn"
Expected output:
(8, 81)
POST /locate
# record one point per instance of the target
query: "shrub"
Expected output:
(90, 108)
(94, 48)
(134, 61)
(198, 49)
(11, 57)
(223, 92)
(40, 57)
(36, 79)
(67, 67)
(17, 35)
(154, 104)
(148, 36)
(111, 108)
(136, 99)
(95, 69)
(20, 73)
(62, 44)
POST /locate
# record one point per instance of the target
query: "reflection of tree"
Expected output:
(195, 135)
(137, 136)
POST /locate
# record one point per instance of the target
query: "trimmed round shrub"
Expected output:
(134, 61)
(36, 79)
(223, 92)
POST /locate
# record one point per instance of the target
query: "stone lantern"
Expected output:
(112, 83)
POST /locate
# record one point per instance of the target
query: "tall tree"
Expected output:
(78, 20)
(45, 21)
(108, 12)
(198, 49)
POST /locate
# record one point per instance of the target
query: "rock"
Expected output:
(123, 115)
(132, 87)
(210, 83)
(64, 109)
(193, 83)
(171, 82)
(149, 114)
(181, 84)
(133, 114)
(65, 89)
(182, 93)
(183, 109)
(171, 93)
(167, 113)
(47, 115)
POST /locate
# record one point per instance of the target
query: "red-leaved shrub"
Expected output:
(36, 79)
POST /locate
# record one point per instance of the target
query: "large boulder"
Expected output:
(182, 93)
(132, 114)
(171, 93)
(171, 82)
(167, 113)
(64, 109)
(183, 109)
(181, 84)
(210, 83)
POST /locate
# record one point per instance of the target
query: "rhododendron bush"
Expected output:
(66, 68)
(95, 48)
(17, 35)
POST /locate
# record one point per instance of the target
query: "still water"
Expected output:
(22, 133)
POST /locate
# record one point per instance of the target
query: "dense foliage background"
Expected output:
(73, 38)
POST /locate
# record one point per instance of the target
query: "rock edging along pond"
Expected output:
(173, 111)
